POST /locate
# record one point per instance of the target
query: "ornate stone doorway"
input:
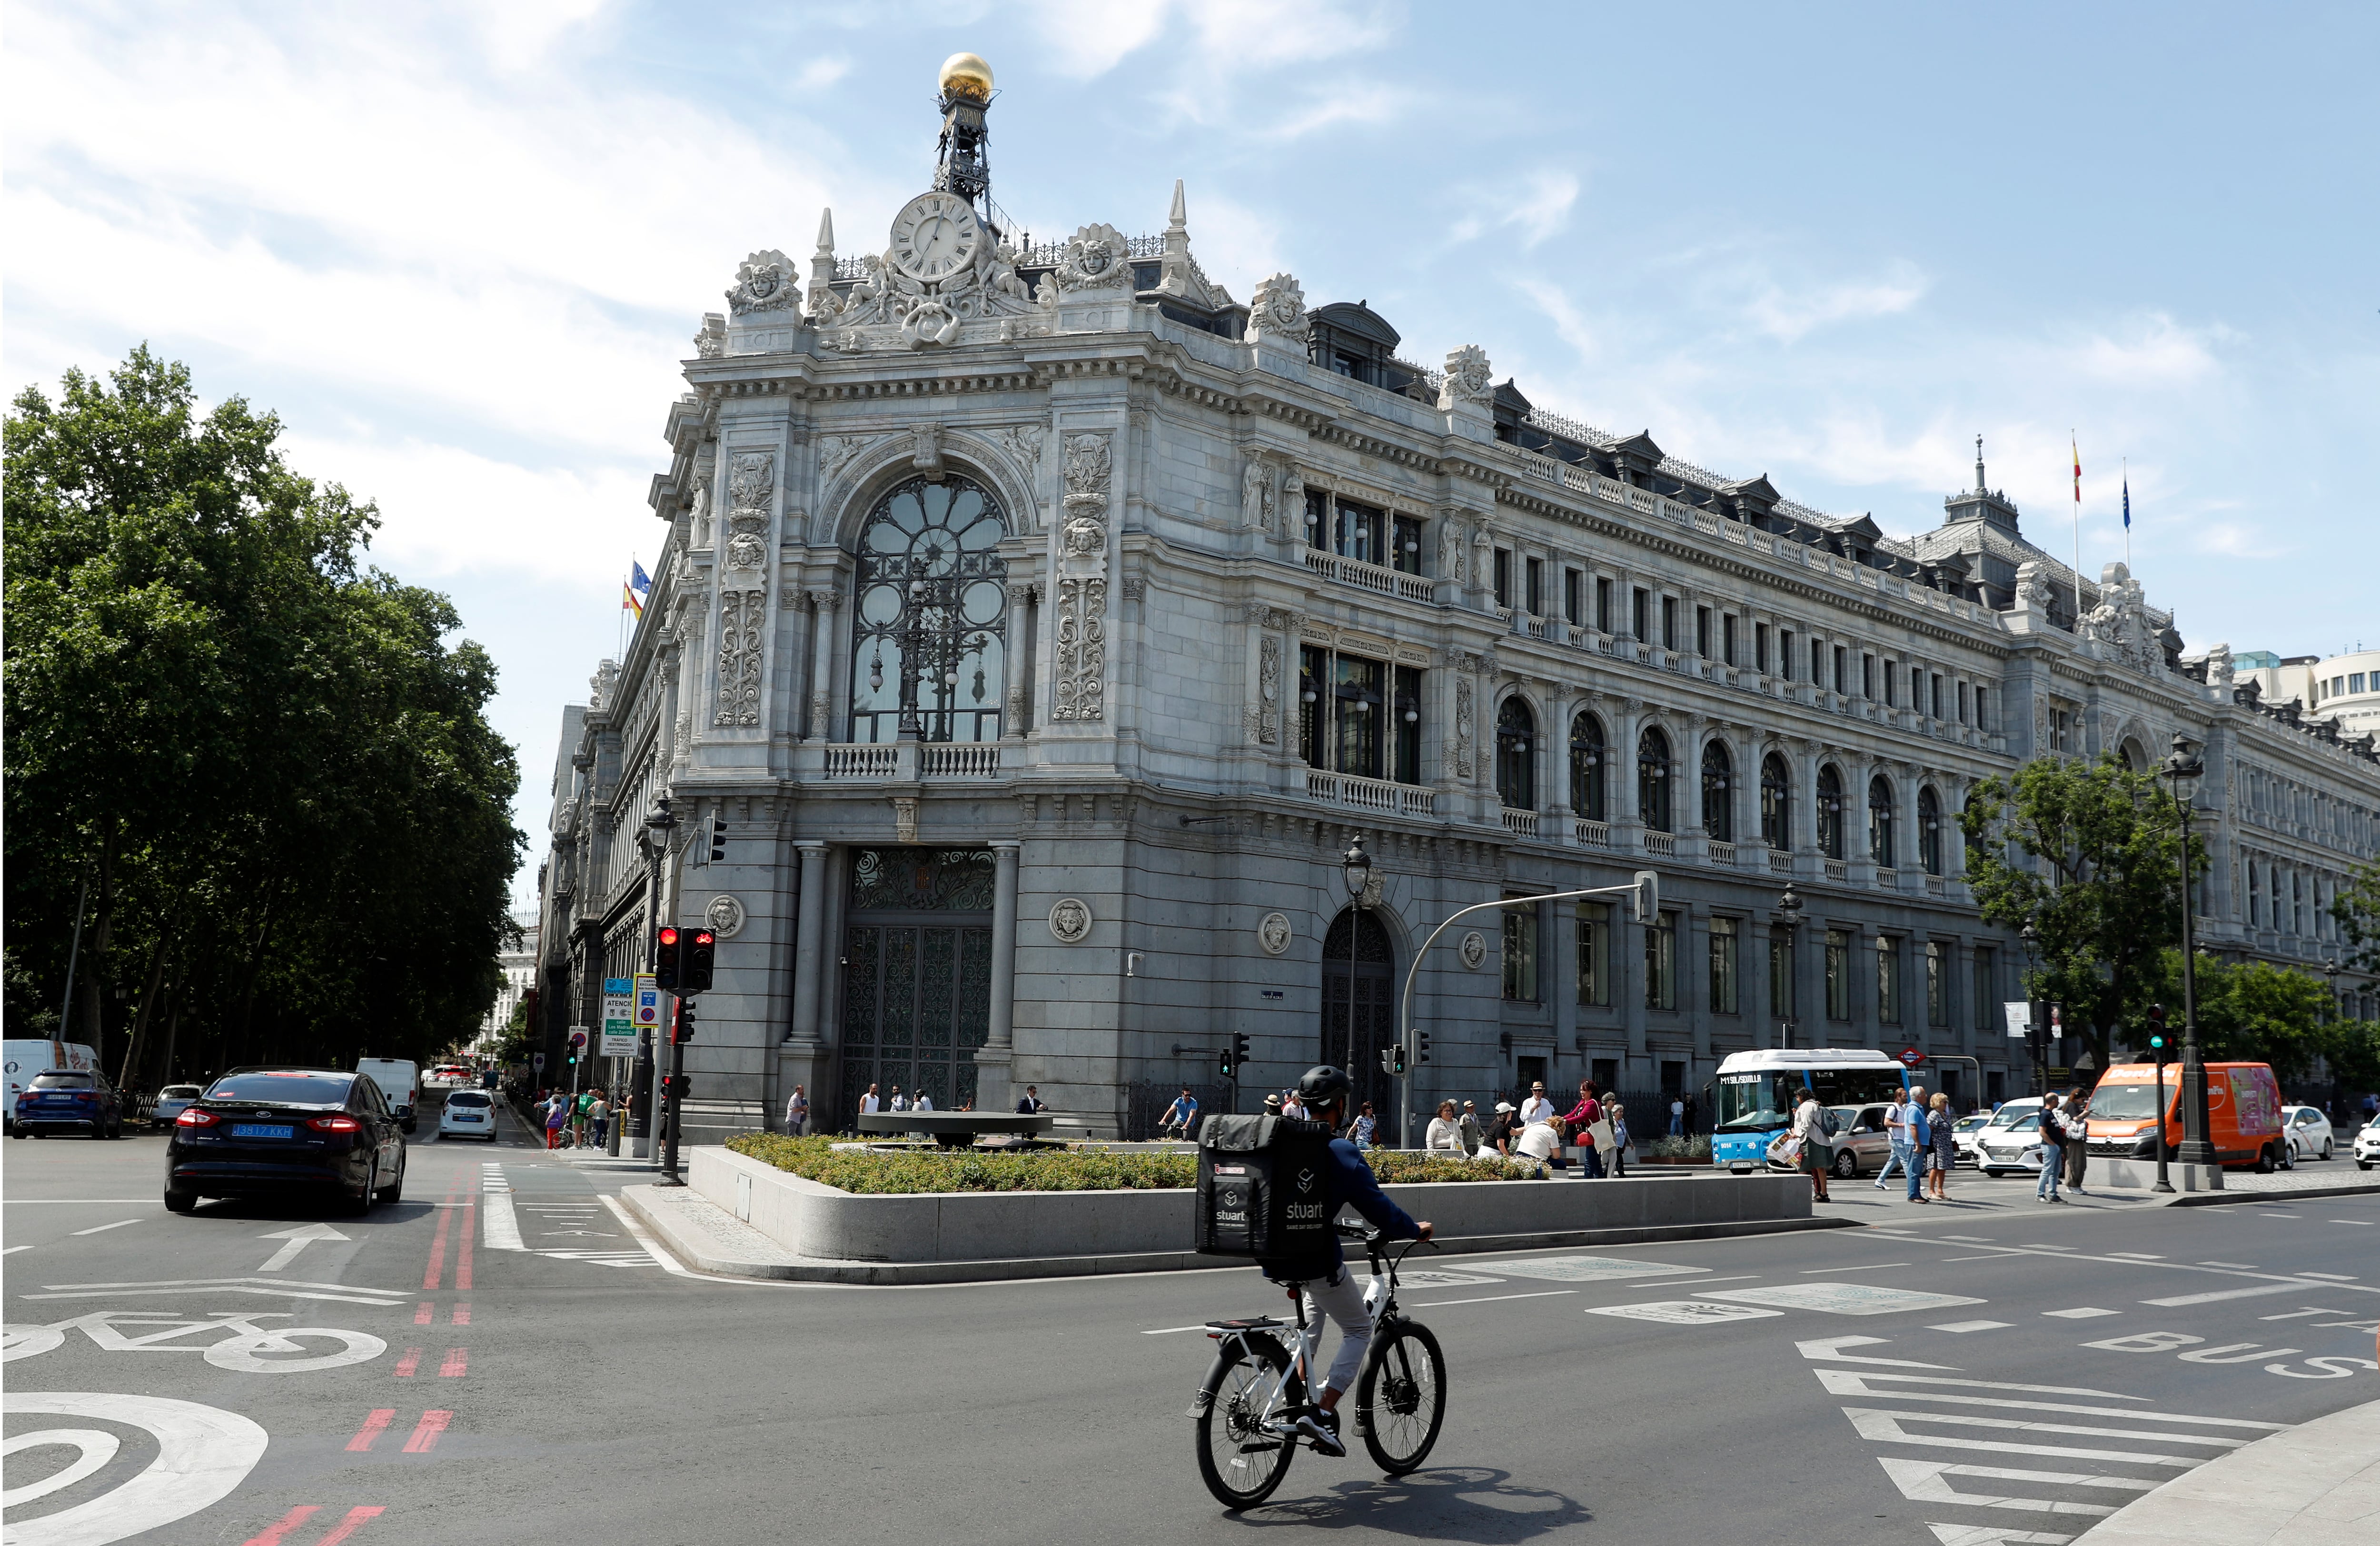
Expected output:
(917, 974)
(1372, 988)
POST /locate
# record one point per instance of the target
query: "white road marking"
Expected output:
(2137, 1256)
(203, 1453)
(1970, 1239)
(68, 1202)
(101, 1229)
(1844, 1298)
(296, 1240)
(1685, 1312)
(1923, 1481)
(1871, 1423)
(1589, 1269)
(638, 1232)
(12, 1250)
(1864, 1267)
(1831, 1348)
(2301, 1314)
(499, 1230)
(269, 1287)
(1859, 1381)
(1168, 1331)
(1492, 1298)
(1961, 1327)
(94, 1448)
(2334, 1277)
(2229, 1294)
(2083, 1312)
(1992, 1534)
(2235, 1266)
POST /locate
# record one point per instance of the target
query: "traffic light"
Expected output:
(1227, 1068)
(1388, 1060)
(2156, 1030)
(703, 951)
(665, 956)
(718, 837)
(1421, 1046)
(677, 1086)
(1645, 902)
(1235, 1057)
(685, 1032)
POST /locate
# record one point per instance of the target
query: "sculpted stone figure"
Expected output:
(1279, 311)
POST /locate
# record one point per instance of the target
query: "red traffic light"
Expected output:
(665, 967)
(702, 950)
(669, 935)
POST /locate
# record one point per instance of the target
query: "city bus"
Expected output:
(1754, 1094)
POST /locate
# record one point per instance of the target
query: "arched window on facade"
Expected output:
(1516, 782)
(1775, 803)
(1880, 822)
(930, 626)
(1653, 779)
(1718, 811)
(1830, 812)
(1587, 759)
(1929, 831)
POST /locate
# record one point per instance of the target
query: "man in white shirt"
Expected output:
(1896, 1119)
(924, 1102)
(1537, 1108)
(900, 1101)
(1540, 1141)
(869, 1104)
(797, 1112)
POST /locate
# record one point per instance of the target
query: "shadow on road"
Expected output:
(1442, 1502)
(302, 1208)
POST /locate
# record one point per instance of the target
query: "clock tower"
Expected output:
(961, 169)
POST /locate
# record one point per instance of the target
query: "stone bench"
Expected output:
(956, 1129)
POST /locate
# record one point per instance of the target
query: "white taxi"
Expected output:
(469, 1114)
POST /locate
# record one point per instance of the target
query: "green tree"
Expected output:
(272, 772)
(2248, 1012)
(2357, 908)
(2087, 853)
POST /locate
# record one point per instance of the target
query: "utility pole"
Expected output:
(655, 841)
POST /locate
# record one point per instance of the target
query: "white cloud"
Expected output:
(1789, 315)
(2152, 351)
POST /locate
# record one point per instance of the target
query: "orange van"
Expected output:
(2244, 1113)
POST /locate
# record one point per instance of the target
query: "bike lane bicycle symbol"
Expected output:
(243, 1345)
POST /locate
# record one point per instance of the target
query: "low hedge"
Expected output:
(1693, 1146)
(1054, 1170)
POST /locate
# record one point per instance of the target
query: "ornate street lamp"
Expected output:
(2035, 1032)
(1357, 865)
(653, 837)
(2185, 767)
(1788, 913)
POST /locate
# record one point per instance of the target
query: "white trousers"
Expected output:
(1343, 1303)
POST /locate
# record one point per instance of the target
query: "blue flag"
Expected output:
(2128, 504)
(644, 582)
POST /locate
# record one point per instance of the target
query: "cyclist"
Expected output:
(1330, 1290)
(1181, 1116)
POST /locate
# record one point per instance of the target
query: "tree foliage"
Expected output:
(2088, 854)
(2357, 908)
(2254, 1012)
(263, 766)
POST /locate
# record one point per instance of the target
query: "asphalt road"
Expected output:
(1945, 1374)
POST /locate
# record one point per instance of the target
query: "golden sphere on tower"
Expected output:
(965, 75)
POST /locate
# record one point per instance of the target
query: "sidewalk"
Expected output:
(2318, 1484)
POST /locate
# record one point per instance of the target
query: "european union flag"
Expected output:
(2128, 504)
(644, 582)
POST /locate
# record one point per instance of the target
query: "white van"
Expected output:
(26, 1059)
(398, 1081)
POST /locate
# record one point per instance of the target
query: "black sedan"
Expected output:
(69, 1101)
(257, 1131)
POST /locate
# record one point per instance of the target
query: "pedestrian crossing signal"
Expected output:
(1392, 1060)
(700, 957)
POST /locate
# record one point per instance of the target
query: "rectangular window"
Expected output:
(1661, 963)
(1356, 706)
(1819, 666)
(1937, 694)
(1987, 995)
(1503, 577)
(1521, 954)
(1362, 532)
(1867, 677)
(1984, 715)
(1785, 654)
(1781, 973)
(1533, 574)
(1888, 979)
(1602, 604)
(1703, 631)
(1839, 975)
(1938, 984)
(1317, 519)
(1571, 588)
(1407, 710)
(1892, 698)
(1313, 705)
(1641, 611)
(1407, 534)
(1727, 639)
(1722, 966)
(1670, 622)
(1760, 648)
(1962, 703)
(2354, 684)
(1593, 954)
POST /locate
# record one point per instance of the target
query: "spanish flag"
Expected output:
(2078, 470)
(628, 601)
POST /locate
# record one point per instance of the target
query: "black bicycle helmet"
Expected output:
(1324, 1085)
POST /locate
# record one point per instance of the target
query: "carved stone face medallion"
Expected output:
(1070, 920)
(725, 915)
(934, 236)
(1273, 934)
(1474, 949)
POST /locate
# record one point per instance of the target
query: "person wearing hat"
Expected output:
(1469, 1127)
(1272, 1105)
(1500, 1130)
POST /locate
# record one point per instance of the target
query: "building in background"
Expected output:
(519, 966)
(1037, 623)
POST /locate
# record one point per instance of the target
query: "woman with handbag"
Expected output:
(1938, 1124)
(1817, 1154)
(1619, 1114)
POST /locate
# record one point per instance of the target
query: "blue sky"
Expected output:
(461, 250)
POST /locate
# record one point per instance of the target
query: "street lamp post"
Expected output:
(1357, 865)
(2185, 767)
(2035, 1032)
(1788, 913)
(654, 838)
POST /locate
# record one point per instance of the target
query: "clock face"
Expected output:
(934, 236)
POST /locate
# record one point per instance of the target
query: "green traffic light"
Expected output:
(2157, 1040)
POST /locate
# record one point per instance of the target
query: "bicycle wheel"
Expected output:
(1240, 1463)
(1401, 1397)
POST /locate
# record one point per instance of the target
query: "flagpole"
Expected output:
(2128, 514)
(2076, 447)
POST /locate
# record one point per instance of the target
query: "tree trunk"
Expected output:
(148, 997)
(94, 988)
(236, 1035)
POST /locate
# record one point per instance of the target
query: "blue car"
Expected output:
(69, 1101)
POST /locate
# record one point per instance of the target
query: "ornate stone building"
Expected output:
(1037, 623)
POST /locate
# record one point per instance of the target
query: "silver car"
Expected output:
(172, 1101)
(2311, 1137)
(2006, 1146)
(1862, 1142)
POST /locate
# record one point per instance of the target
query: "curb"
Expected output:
(2215, 1200)
(704, 1255)
(2318, 1481)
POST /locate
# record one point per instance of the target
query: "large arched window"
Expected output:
(1516, 782)
(1880, 822)
(1653, 779)
(930, 626)
(1587, 759)
(1718, 811)
(1830, 812)
(1775, 803)
(1929, 831)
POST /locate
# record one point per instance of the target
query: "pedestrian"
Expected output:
(1272, 1105)
(1537, 1108)
(557, 1113)
(1291, 1106)
(1445, 1130)
(579, 1106)
(2077, 1116)
(1581, 1120)
(1541, 1142)
(599, 1118)
(924, 1101)
(870, 1103)
(1469, 1127)
(2053, 1152)
(1619, 1114)
(1360, 1131)
(1181, 1116)
(1031, 1103)
(1499, 1131)
(1897, 1126)
(1911, 1139)
(797, 1112)
(1677, 1117)
(899, 1100)
(1817, 1155)
(1939, 1125)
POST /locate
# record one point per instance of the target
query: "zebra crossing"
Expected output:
(2029, 1465)
(565, 1217)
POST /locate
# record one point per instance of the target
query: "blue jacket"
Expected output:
(1353, 1184)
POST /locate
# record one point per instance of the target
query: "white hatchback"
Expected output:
(172, 1101)
(2310, 1134)
(2367, 1145)
(469, 1114)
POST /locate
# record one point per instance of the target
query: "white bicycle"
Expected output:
(1248, 1405)
(250, 1350)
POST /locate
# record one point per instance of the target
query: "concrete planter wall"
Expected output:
(837, 1237)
